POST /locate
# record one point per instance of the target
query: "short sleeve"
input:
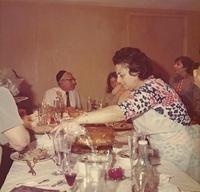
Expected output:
(157, 95)
(138, 103)
(9, 116)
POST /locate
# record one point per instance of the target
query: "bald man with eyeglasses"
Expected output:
(65, 91)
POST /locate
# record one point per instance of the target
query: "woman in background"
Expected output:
(115, 92)
(183, 83)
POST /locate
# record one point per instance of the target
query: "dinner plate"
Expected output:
(16, 157)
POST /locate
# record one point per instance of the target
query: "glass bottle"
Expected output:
(133, 146)
(143, 174)
(89, 104)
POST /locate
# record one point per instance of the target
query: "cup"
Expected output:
(62, 149)
(70, 173)
(95, 172)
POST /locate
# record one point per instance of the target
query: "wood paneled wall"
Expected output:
(39, 38)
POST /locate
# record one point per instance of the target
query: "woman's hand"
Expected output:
(71, 128)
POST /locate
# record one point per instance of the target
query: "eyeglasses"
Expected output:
(69, 79)
(134, 74)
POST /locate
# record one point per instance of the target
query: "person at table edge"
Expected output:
(13, 134)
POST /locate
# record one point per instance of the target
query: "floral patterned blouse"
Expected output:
(157, 95)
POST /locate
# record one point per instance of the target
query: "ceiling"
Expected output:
(192, 5)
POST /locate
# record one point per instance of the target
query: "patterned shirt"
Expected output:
(155, 94)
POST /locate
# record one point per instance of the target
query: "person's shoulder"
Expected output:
(5, 91)
(74, 91)
(188, 82)
(155, 83)
(6, 97)
(53, 89)
(196, 89)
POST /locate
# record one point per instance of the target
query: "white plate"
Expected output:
(15, 156)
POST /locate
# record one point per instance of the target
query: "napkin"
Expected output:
(23, 188)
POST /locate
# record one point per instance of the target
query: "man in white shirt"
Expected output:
(65, 91)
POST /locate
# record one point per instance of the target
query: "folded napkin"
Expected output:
(23, 188)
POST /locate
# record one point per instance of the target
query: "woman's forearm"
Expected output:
(105, 115)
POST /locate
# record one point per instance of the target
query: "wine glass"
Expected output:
(70, 173)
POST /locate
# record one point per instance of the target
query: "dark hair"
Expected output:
(187, 62)
(59, 75)
(196, 65)
(109, 87)
(136, 60)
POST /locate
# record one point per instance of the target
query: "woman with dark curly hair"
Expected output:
(154, 107)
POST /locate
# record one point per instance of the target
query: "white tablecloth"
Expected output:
(18, 175)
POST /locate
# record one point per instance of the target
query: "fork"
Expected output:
(32, 171)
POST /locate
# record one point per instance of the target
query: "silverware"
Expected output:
(58, 183)
(179, 189)
(45, 180)
(32, 171)
(47, 134)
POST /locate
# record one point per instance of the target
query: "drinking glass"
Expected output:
(62, 148)
(96, 166)
(70, 173)
(59, 109)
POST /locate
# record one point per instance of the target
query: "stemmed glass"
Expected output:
(69, 173)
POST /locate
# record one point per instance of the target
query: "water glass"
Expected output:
(62, 149)
(95, 168)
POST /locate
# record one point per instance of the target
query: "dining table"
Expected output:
(44, 179)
